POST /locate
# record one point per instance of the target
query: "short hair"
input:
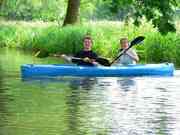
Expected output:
(87, 37)
(122, 39)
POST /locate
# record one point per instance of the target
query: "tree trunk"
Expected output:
(72, 13)
(1, 2)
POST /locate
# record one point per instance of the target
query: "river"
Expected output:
(85, 106)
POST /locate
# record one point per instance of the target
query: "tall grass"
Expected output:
(52, 38)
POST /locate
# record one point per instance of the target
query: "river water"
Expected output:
(85, 106)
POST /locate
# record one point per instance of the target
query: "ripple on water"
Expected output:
(77, 105)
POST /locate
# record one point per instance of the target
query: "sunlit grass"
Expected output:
(27, 23)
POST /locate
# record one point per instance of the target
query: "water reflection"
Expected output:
(163, 119)
(127, 84)
(85, 106)
(74, 83)
(74, 98)
(86, 83)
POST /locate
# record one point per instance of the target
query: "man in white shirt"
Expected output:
(130, 56)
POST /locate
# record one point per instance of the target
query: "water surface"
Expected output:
(85, 106)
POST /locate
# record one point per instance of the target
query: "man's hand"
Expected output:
(65, 57)
(86, 59)
(55, 55)
(133, 55)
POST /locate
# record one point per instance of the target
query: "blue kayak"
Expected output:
(33, 70)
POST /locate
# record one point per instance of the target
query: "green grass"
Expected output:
(54, 39)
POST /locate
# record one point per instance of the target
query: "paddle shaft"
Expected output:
(99, 60)
(120, 55)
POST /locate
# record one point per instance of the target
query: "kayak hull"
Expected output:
(32, 70)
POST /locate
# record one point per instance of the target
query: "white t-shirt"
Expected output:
(125, 59)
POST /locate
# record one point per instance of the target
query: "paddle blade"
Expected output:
(37, 53)
(137, 40)
(41, 54)
(103, 61)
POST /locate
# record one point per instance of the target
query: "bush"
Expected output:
(162, 48)
(54, 39)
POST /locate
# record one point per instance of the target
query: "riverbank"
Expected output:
(52, 38)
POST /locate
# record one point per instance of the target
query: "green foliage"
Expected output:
(104, 10)
(6, 34)
(47, 10)
(54, 39)
(161, 48)
(159, 12)
(51, 38)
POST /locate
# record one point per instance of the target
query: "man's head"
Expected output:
(87, 42)
(124, 43)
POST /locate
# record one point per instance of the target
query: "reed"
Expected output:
(55, 39)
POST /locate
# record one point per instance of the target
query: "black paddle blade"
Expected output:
(137, 40)
(103, 61)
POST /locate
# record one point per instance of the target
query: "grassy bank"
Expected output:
(52, 38)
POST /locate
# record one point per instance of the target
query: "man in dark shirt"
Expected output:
(87, 55)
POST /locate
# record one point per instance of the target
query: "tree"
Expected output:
(159, 12)
(44, 10)
(72, 13)
(1, 2)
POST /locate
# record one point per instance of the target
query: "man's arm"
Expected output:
(133, 55)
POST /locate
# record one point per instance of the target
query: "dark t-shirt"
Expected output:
(83, 54)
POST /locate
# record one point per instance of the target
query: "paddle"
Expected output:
(41, 54)
(100, 60)
(136, 41)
